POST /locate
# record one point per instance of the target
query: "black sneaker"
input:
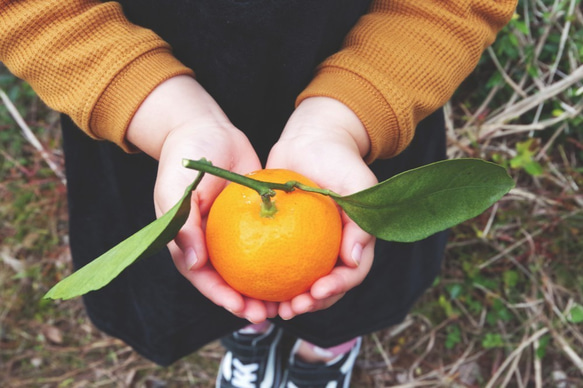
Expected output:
(251, 360)
(333, 374)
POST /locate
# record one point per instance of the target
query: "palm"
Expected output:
(337, 167)
(226, 147)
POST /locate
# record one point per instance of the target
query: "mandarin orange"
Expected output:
(277, 257)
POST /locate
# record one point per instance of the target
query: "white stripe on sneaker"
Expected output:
(269, 377)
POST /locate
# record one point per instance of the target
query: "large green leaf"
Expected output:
(420, 202)
(145, 242)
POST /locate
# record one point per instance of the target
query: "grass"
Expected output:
(507, 310)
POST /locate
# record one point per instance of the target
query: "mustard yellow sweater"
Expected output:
(403, 60)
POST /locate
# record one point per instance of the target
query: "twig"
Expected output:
(381, 350)
(537, 364)
(15, 162)
(496, 130)
(524, 240)
(419, 359)
(512, 370)
(30, 137)
(505, 75)
(490, 220)
(568, 350)
(482, 108)
(564, 36)
(530, 102)
(514, 354)
(509, 249)
(461, 360)
(434, 378)
(398, 329)
(548, 144)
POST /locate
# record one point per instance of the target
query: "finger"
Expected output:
(210, 284)
(322, 304)
(190, 240)
(255, 310)
(272, 308)
(285, 310)
(183, 260)
(305, 303)
(343, 278)
(302, 304)
(354, 240)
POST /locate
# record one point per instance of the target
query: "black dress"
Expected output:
(253, 57)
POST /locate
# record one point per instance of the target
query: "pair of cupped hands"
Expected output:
(323, 140)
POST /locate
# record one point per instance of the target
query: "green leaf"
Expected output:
(575, 314)
(524, 158)
(150, 239)
(521, 26)
(533, 168)
(492, 340)
(455, 290)
(420, 202)
(454, 336)
(543, 342)
(510, 278)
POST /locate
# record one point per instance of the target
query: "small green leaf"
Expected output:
(533, 168)
(150, 239)
(492, 340)
(418, 203)
(455, 290)
(543, 342)
(575, 314)
(454, 336)
(525, 158)
(510, 278)
(447, 307)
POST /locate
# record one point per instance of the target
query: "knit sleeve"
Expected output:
(404, 59)
(85, 59)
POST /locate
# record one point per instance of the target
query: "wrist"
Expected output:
(329, 114)
(172, 103)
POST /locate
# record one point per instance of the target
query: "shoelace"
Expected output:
(244, 375)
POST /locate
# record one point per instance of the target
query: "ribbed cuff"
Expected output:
(365, 101)
(117, 105)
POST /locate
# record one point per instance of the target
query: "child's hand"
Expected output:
(180, 120)
(325, 141)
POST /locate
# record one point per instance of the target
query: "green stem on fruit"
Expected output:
(268, 208)
(312, 189)
(265, 189)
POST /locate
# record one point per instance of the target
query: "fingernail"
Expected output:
(356, 254)
(232, 311)
(190, 258)
(286, 316)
